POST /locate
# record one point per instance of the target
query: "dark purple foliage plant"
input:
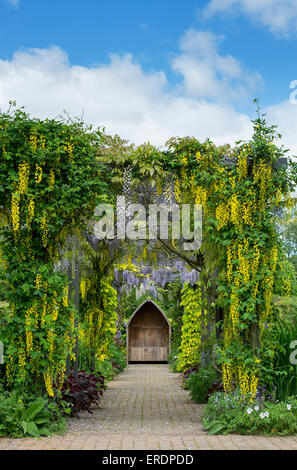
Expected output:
(83, 392)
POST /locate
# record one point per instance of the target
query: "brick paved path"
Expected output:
(145, 407)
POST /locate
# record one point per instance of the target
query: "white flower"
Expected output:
(249, 411)
(289, 407)
(264, 415)
(257, 408)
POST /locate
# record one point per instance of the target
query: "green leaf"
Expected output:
(42, 419)
(216, 428)
(43, 431)
(32, 429)
(24, 426)
(33, 409)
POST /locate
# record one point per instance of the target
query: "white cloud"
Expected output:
(280, 16)
(127, 100)
(285, 116)
(206, 73)
(140, 105)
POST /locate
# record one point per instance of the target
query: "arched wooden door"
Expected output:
(148, 334)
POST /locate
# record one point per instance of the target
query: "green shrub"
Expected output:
(226, 413)
(277, 371)
(20, 416)
(200, 382)
(173, 357)
(113, 364)
(118, 356)
(106, 369)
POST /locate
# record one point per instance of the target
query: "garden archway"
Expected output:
(148, 334)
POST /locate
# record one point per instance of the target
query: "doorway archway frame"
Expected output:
(133, 315)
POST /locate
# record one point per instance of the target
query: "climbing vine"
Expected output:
(98, 327)
(190, 347)
(241, 190)
(49, 181)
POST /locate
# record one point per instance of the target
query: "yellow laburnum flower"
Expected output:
(222, 215)
(33, 141)
(65, 296)
(44, 229)
(48, 383)
(38, 173)
(51, 180)
(24, 172)
(15, 212)
(31, 208)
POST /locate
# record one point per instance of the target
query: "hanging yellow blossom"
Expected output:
(234, 313)
(51, 179)
(55, 309)
(244, 265)
(15, 212)
(12, 309)
(61, 375)
(29, 334)
(244, 382)
(33, 141)
(227, 377)
(44, 229)
(24, 172)
(227, 333)
(42, 142)
(68, 147)
(22, 360)
(65, 296)
(50, 340)
(253, 386)
(274, 255)
(38, 173)
(201, 196)
(83, 289)
(31, 208)
(222, 215)
(48, 383)
(247, 213)
(38, 281)
(242, 168)
(198, 157)
(248, 382)
(229, 264)
(255, 260)
(235, 211)
(44, 309)
(255, 289)
(184, 160)
(9, 369)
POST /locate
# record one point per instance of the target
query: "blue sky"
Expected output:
(150, 69)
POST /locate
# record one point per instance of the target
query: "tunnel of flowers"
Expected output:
(66, 295)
